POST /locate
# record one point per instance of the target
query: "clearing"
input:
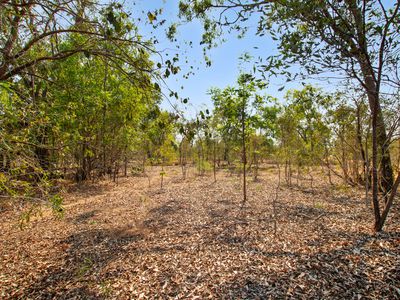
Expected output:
(191, 240)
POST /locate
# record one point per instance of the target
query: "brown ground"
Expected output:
(192, 241)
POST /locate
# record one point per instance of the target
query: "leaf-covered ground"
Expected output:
(191, 240)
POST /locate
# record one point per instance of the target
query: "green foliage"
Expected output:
(235, 105)
(203, 165)
(315, 34)
(81, 105)
(302, 132)
(56, 205)
(29, 213)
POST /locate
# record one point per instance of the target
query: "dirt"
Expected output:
(193, 239)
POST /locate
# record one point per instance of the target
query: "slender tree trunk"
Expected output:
(366, 171)
(115, 173)
(214, 162)
(344, 160)
(286, 172)
(104, 114)
(327, 163)
(126, 161)
(162, 175)
(389, 202)
(274, 203)
(144, 162)
(125, 166)
(329, 176)
(244, 158)
(398, 155)
(298, 174)
(359, 139)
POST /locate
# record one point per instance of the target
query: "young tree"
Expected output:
(303, 134)
(233, 106)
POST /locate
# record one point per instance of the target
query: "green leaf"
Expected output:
(151, 17)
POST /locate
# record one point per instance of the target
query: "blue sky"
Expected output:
(225, 64)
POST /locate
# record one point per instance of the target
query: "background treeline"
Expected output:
(309, 130)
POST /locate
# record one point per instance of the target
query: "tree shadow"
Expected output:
(344, 273)
(340, 272)
(83, 217)
(163, 215)
(304, 212)
(88, 189)
(343, 200)
(87, 256)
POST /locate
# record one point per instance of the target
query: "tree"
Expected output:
(233, 106)
(32, 33)
(303, 134)
(357, 39)
(74, 115)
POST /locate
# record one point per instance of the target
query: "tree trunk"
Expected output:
(366, 173)
(255, 159)
(244, 156)
(298, 175)
(374, 105)
(214, 162)
(115, 173)
(125, 166)
(286, 172)
(274, 202)
(359, 139)
(43, 156)
(162, 175)
(398, 155)
(375, 199)
(389, 203)
(379, 143)
(344, 159)
(328, 165)
(386, 170)
(4, 163)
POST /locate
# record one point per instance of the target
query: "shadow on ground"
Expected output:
(93, 258)
(84, 265)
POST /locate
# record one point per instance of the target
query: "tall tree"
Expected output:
(358, 39)
(32, 32)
